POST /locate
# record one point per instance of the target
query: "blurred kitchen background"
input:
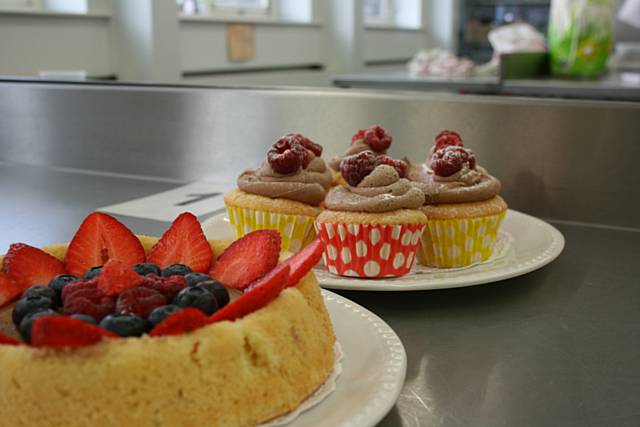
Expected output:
(566, 48)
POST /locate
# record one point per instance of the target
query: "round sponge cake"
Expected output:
(239, 373)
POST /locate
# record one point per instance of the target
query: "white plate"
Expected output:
(535, 244)
(373, 369)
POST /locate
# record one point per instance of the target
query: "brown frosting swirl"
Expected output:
(381, 191)
(466, 185)
(308, 185)
(358, 146)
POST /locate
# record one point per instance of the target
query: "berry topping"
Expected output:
(43, 291)
(125, 325)
(167, 286)
(447, 138)
(5, 340)
(288, 155)
(27, 265)
(354, 168)
(307, 143)
(30, 305)
(302, 262)
(72, 287)
(197, 297)
(161, 313)
(398, 165)
(247, 259)
(145, 268)
(180, 322)
(85, 318)
(375, 137)
(218, 291)
(27, 323)
(139, 301)
(261, 293)
(195, 278)
(60, 281)
(89, 301)
(183, 243)
(61, 331)
(449, 160)
(100, 238)
(93, 272)
(117, 277)
(176, 270)
(9, 290)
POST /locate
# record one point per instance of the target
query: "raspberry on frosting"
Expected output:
(450, 159)
(376, 137)
(292, 152)
(399, 165)
(356, 167)
(447, 138)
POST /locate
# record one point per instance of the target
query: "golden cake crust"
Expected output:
(400, 216)
(491, 206)
(243, 199)
(237, 373)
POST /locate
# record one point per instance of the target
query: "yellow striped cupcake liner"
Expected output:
(458, 242)
(296, 230)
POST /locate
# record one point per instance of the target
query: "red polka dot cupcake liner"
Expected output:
(369, 250)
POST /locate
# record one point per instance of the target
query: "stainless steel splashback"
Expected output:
(560, 159)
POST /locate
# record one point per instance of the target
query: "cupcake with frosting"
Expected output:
(375, 139)
(371, 226)
(285, 193)
(462, 203)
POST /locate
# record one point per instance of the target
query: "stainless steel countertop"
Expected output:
(559, 346)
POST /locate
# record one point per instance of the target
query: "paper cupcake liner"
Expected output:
(458, 242)
(369, 250)
(296, 230)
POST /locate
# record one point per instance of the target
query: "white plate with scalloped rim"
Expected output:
(534, 244)
(373, 369)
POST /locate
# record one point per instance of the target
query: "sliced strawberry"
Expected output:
(62, 331)
(9, 290)
(100, 238)
(28, 266)
(302, 262)
(261, 293)
(183, 243)
(180, 322)
(5, 340)
(117, 277)
(247, 259)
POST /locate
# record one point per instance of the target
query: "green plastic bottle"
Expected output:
(580, 33)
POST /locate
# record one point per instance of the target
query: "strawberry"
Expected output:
(9, 290)
(28, 266)
(302, 262)
(100, 238)
(62, 331)
(117, 277)
(260, 294)
(247, 259)
(5, 340)
(180, 322)
(183, 243)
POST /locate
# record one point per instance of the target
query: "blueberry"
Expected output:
(59, 282)
(27, 322)
(197, 297)
(28, 305)
(40, 291)
(147, 268)
(176, 270)
(219, 291)
(125, 325)
(94, 272)
(161, 313)
(84, 318)
(195, 278)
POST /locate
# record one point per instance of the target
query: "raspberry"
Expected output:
(89, 301)
(167, 286)
(307, 143)
(139, 301)
(449, 160)
(287, 155)
(447, 138)
(375, 137)
(354, 168)
(398, 165)
(72, 287)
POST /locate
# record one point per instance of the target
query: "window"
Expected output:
(240, 6)
(378, 12)
(393, 13)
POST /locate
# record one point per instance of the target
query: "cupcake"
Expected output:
(462, 203)
(373, 138)
(284, 193)
(372, 225)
